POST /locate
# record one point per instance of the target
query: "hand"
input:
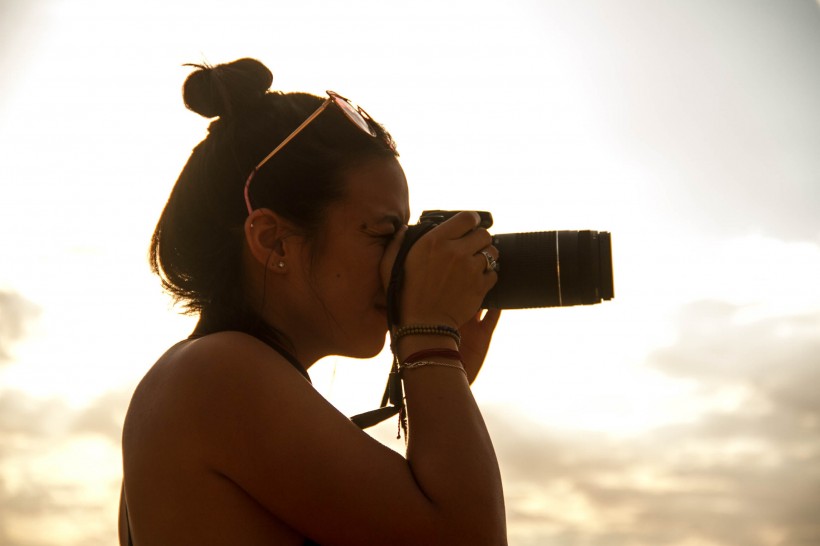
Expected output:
(445, 273)
(475, 341)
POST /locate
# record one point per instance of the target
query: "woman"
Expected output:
(280, 233)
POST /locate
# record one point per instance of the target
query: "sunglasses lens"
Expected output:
(354, 114)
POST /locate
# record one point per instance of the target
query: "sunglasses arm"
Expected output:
(290, 137)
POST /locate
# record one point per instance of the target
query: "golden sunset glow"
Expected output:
(683, 412)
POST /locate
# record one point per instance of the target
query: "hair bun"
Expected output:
(226, 89)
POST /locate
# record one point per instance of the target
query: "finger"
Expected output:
(477, 240)
(459, 225)
(492, 250)
(490, 320)
(488, 258)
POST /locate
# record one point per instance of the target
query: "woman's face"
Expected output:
(347, 301)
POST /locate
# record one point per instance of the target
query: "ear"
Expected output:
(270, 239)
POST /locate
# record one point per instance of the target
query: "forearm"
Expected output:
(450, 451)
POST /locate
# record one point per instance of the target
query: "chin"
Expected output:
(368, 348)
(368, 338)
(370, 351)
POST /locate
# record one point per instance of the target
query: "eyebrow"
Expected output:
(392, 219)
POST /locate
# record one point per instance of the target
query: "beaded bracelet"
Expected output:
(427, 329)
(420, 363)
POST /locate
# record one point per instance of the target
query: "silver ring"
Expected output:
(492, 264)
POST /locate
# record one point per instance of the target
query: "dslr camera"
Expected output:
(536, 269)
(545, 268)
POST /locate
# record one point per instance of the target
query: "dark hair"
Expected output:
(196, 247)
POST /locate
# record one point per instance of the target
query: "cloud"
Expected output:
(775, 360)
(682, 485)
(58, 466)
(744, 470)
(26, 426)
(24, 419)
(104, 416)
(16, 312)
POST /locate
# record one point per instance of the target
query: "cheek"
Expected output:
(366, 272)
(357, 271)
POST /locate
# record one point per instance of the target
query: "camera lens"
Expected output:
(552, 269)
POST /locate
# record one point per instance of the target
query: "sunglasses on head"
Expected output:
(351, 111)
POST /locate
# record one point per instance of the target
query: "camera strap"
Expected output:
(393, 391)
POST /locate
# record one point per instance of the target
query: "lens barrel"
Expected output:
(552, 269)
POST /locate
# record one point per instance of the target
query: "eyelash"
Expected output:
(387, 237)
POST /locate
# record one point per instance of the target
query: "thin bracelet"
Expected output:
(427, 329)
(420, 363)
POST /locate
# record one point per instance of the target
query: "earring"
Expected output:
(281, 265)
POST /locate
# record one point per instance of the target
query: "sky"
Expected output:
(683, 412)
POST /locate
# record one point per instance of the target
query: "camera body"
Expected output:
(545, 268)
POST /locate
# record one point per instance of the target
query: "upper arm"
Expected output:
(266, 429)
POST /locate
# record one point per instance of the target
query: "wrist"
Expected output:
(427, 318)
(442, 330)
(410, 344)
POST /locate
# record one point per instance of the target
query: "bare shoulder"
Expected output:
(233, 401)
(205, 409)
(222, 352)
(238, 410)
(197, 381)
(219, 356)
